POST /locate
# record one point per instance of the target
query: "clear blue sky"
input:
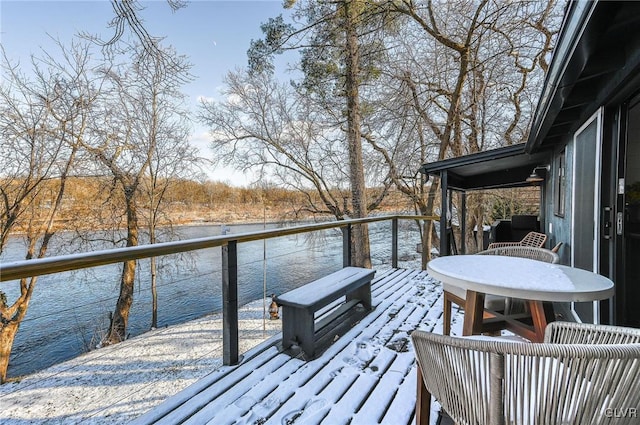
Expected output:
(215, 35)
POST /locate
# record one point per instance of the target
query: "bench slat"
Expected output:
(343, 308)
(326, 289)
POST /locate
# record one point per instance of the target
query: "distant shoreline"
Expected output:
(200, 222)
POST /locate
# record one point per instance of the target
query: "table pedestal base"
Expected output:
(477, 320)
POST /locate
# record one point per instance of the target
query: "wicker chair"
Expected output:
(580, 374)
(534, 239)
(494, 302)
(533, 253)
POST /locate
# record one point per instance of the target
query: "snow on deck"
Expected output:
(366, 376)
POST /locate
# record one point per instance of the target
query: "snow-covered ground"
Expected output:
(118, 383)
(115, 384)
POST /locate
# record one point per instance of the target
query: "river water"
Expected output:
(69, 312)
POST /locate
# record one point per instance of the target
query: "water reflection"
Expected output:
(69, 312)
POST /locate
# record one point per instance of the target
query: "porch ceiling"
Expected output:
(498, 168)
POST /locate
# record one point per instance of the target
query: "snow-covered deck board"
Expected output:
(366, 376)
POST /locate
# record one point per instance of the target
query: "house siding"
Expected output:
(559, 227)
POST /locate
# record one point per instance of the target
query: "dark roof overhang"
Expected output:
(498, 168)
(596, 54)
(596, 61)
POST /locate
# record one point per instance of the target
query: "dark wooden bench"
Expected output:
(300, 305)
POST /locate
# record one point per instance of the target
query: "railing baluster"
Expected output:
(394, 242)
(230, 346)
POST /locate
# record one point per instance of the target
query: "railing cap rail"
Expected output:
(41, 266)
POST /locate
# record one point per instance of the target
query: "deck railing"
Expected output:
(229, 243)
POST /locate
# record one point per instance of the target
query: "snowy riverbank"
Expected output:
(115, 384)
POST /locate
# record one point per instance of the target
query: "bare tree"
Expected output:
(42, 121)
(128, 24)
(461, 77)
(173, 160)
(338, 47)
(138, 111)
(266, 125)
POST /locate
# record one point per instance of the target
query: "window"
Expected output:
(560, 184)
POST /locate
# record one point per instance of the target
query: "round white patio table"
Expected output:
(466, 279)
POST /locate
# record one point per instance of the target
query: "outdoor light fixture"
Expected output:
(534, 177)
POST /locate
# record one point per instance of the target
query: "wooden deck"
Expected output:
(366, 376)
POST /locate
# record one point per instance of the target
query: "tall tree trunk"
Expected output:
(11, 318)
(362, 255)
(118, 329)
(8, 332)
(428, 233)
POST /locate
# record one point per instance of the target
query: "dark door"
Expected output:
(631, 218)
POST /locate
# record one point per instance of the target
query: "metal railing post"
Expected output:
(463, 223)
(394, 242)
(230, 345)
(346, 246)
